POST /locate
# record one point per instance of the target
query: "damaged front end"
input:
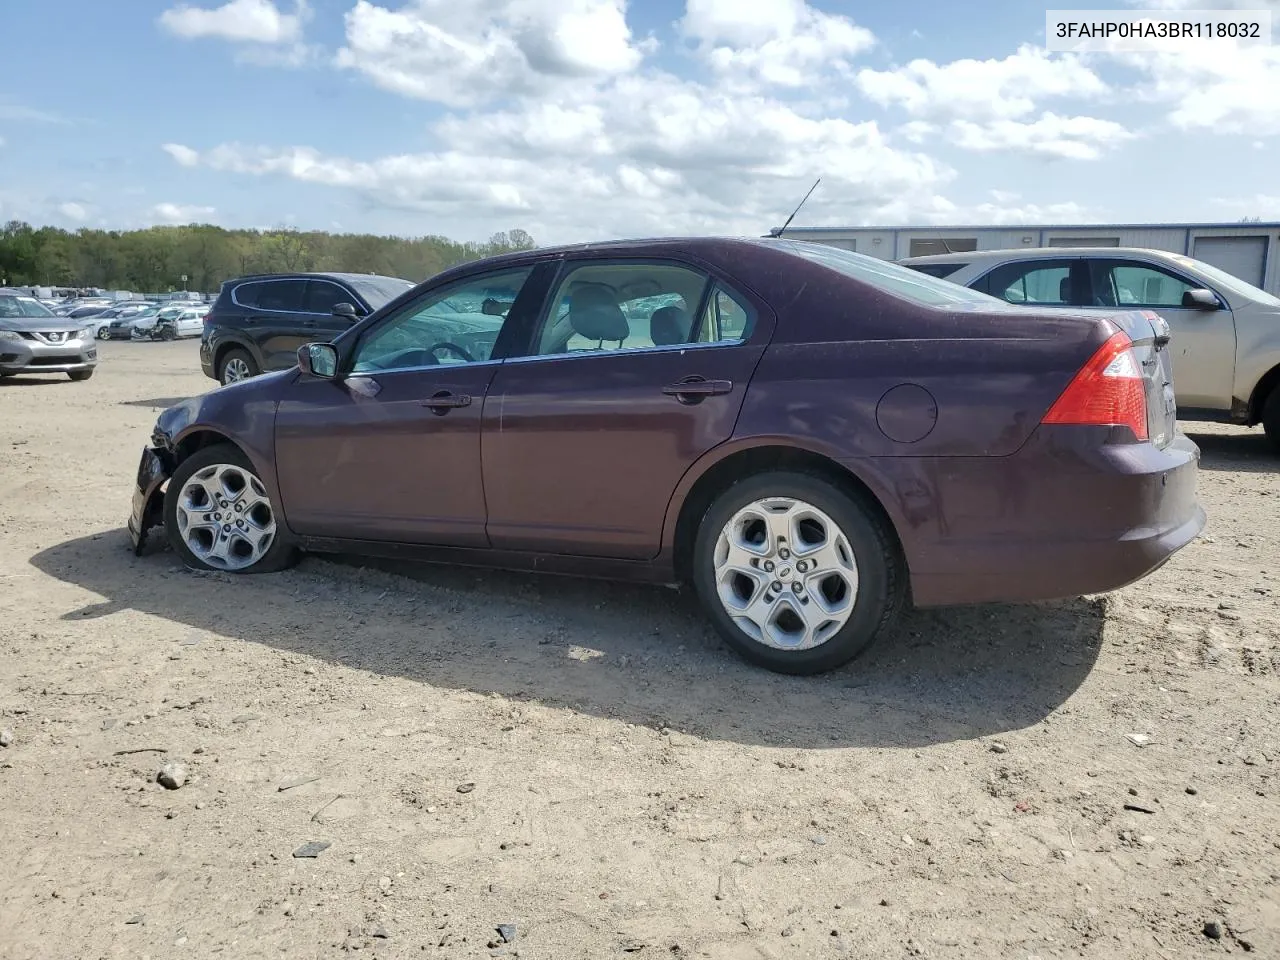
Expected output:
(154, 471)
(159, 458)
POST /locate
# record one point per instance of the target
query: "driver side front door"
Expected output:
(390, 451)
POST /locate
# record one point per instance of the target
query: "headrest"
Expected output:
(1064, 289)
(594, 313)
(669, 326)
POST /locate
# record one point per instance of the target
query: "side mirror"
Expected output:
(318, 360)
(346, 310)
(1201, 300)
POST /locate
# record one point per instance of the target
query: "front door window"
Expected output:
(459, 324)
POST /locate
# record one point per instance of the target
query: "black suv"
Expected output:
(259, 322)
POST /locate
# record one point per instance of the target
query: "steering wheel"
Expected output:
(445, 344)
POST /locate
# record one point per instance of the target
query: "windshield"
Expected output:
(891, 277)
(378, 290)
(11, 307)
(1228, 281)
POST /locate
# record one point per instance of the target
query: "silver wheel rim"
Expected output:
(235, 369)
(225, 518)
(786, 574)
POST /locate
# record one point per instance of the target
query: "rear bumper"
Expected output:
(1067, 515)
(30, 356)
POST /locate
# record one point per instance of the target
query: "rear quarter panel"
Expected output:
(840, 346)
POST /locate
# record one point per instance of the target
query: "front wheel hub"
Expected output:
(209, 534)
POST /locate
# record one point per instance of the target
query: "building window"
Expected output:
(926, 248)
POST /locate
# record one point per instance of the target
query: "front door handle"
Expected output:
(444, 401)
(697, 387)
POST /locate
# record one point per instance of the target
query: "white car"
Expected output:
(189, 322)
(1225, 332)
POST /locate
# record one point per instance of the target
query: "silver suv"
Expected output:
(34, 340)
(1226, 332)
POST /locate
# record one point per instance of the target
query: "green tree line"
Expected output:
(155, 260)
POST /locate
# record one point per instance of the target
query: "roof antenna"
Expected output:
(779, 231)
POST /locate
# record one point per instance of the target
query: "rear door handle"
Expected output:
(698, 387)
(445, 401)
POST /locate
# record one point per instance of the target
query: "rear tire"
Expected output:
(238, 365)
(797, 575)
(80, 375)
(1271, 417)
(218, 516)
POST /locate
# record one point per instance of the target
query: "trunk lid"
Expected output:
(1151, 335)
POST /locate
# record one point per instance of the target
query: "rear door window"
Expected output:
(287, 296)
(1034, 283)
(939, 270)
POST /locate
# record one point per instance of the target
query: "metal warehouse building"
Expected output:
(1250, 251)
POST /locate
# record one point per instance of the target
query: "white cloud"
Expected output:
(1075, 138)
(981, 89)
(1221, 88)
(916, 131)
(180, 213)
(642, 155)
(185, 156)
(74, 211)
(463, 54)
(783, 42)
(243, 21)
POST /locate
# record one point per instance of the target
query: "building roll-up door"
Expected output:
(1243, 257)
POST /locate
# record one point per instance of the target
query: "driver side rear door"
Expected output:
(391, 450)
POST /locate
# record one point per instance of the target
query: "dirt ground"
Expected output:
(589, 765)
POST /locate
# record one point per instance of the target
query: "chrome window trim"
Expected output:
(355, 302)
(576, 355)
(628, 351)
(367, 374)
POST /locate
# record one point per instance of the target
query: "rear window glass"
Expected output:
(938, 270)
(378, 290)
(891, 277)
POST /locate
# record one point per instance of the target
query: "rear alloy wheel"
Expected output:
(80, 375)
(796, 575)
(218, 515)
(104, 333)
(1271, 417)
(236, 366)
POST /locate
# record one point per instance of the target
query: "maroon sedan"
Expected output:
(810, 437)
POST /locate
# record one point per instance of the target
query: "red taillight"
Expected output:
(208, 318)
(1108, 391)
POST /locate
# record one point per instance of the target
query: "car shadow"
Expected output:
(1236, 452)
(643, 655)
(25, 380)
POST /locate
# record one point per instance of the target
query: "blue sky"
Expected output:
(582, 119)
